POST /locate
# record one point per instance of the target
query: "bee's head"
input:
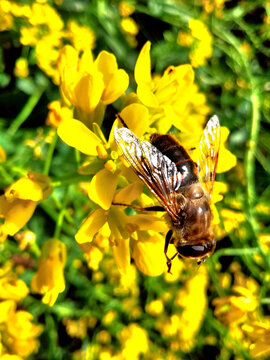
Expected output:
(199, 250)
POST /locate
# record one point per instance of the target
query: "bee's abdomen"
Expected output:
(177, 154)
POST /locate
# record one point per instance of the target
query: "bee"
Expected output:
(182, 187)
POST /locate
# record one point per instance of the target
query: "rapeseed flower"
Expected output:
(81, 37)
(89, 85)
(19, 201)
(136, 236)
(20, 333)
(233, 310)
(172, 99)
(21, 68)
(192, 298)
(49, 279)
(134, 340)
(259, 335)
(200, 41)
(6, 19)
(57, 113)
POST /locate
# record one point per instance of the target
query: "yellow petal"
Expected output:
(146, 96)
(13, 289)
(129, 193)
(117, 220)
(76, 134)
(7, 307)
(87, 92)
(136, 116)
(86, 61)
(149, 222)
(31, 187)
(106, 64)
(149, 256)
(3, 155)
(226, 159)
(16, 213)
(102, 187)
(121, 252)
(142, 70)
(68, 59)
(184, 74)
(115, 87)
(91, 226)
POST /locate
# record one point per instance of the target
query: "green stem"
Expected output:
(72, 180)
(25, 112)
(49, 156)
(55, 215)
(61, 215)
(35, 249)
(234, 252)
(250, 161)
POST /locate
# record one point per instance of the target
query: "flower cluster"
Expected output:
(156, 106)
(42, 28)
(18, 332)
(199, 39)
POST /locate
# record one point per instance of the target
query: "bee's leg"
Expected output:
(138, 208)
(167, 243)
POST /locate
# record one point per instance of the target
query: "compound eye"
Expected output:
(196, 251)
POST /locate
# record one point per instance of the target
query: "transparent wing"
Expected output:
(156, 170)
(209, 146)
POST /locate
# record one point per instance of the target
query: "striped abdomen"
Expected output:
(177, 154)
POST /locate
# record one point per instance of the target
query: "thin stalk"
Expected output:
(72, 180)
(61, 215)
(25, 112)
(50, 152)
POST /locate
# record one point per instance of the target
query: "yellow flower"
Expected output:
(57, 114)
(232, 219)
(129, 26)
(125, 8)
(21, 68)
(19, 201)
(192, 298)
(172, 99)
(259, 334)
(76, 328)
(47, 15)
(7, 307)
(49, 280)
(232, 309)
(20, 334)
(155, 307)
(134, 342)
(93, 255)
(90, 83)
(6, 21)
(202, 47)
(12, 288)
(81, 37)
(226, 159)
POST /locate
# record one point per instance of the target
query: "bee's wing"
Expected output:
(209, 146)
(156, 170)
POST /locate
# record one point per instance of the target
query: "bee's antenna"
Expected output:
(122, 120)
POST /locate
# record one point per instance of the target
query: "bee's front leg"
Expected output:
(167, 243)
